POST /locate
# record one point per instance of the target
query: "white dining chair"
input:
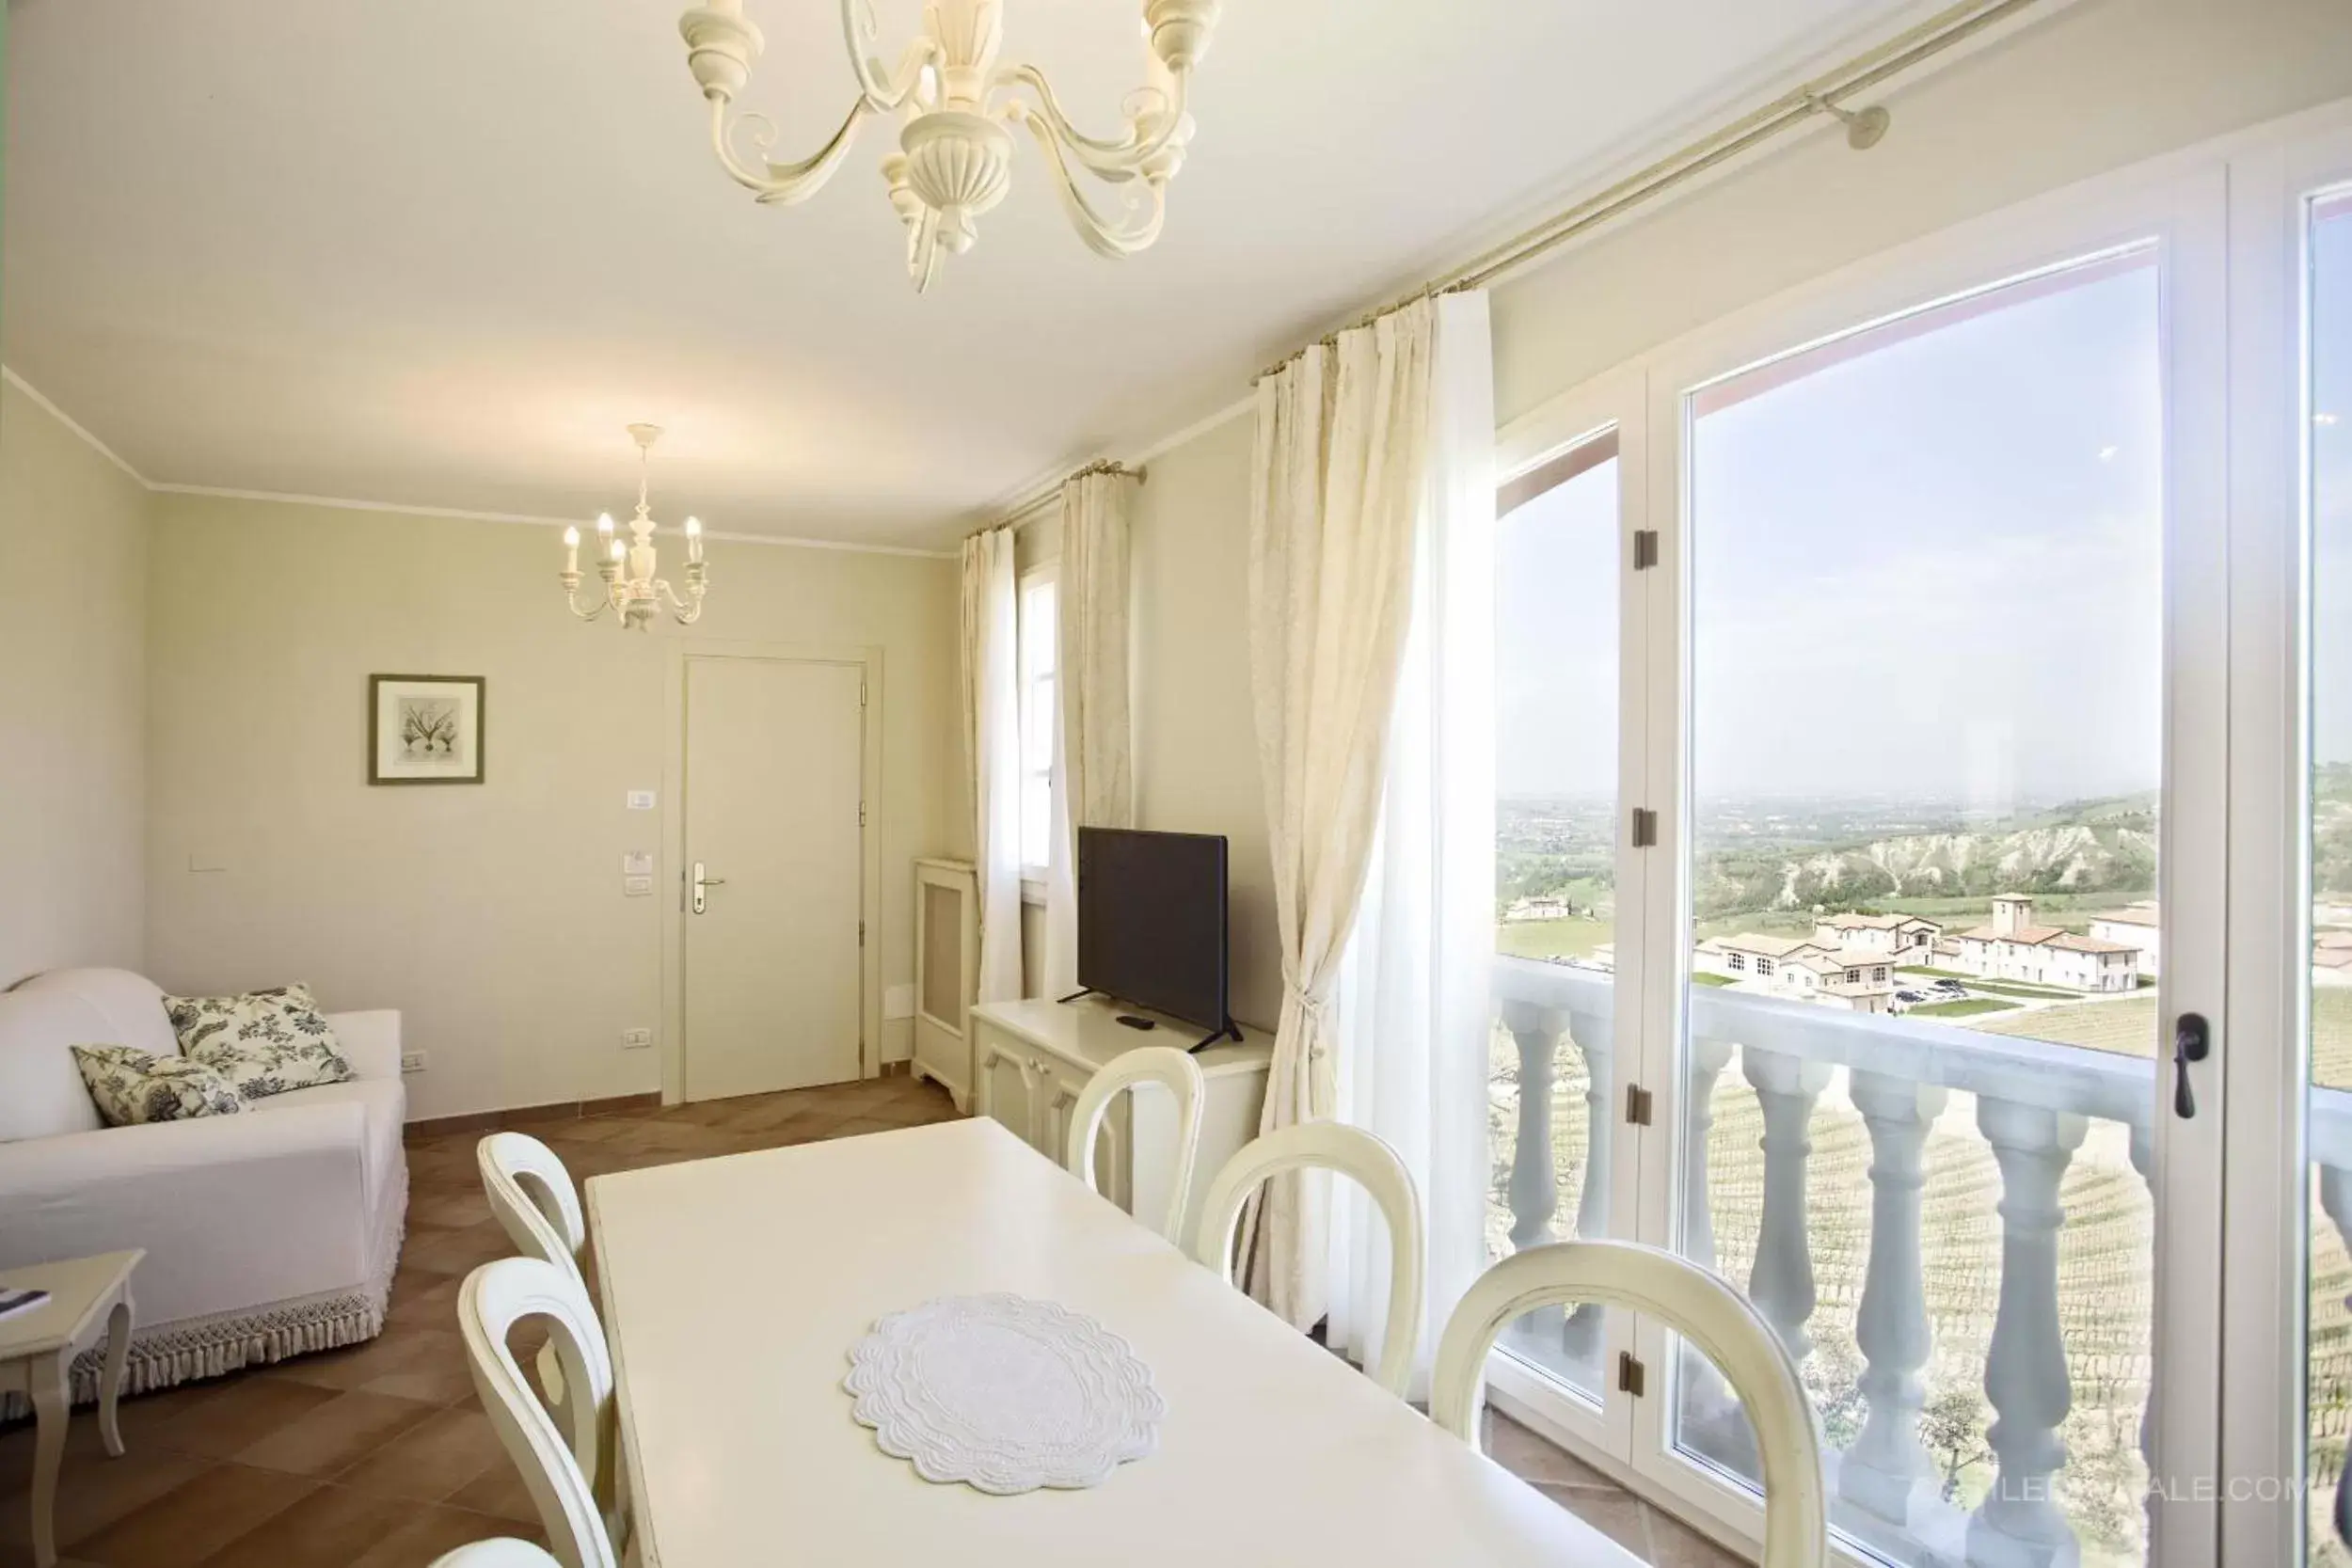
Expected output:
(1172, 1070)
(538, 1207)
(500, 1552)
(1696, 1305)
(568, 1472)
(1373, 1166)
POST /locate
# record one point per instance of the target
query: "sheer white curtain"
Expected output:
(1412, 1006)
(1093, 734)
(992, 735)
(1337, 490)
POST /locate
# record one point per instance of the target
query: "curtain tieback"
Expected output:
(1316, 1012)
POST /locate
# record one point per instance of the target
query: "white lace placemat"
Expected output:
(1004, 1394)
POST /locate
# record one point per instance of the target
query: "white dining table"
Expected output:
(734, 1289)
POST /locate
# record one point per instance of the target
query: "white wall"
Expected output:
(491, 916)
(2101, 85)
(72, 700)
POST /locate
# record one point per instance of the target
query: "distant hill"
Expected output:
(2096, 846)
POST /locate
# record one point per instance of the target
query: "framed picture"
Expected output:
(424, 729)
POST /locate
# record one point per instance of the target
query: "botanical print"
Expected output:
(428, 727)
(131, 1087)
(264, 1042)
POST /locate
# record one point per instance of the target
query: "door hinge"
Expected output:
(1629, 1372)
(1644, 828)
(861, 814)
(1637, 1105)
(861, 933)
(1644, 548)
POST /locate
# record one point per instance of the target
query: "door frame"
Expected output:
(677, 657)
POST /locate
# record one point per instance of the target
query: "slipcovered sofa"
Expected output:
(268, 1233)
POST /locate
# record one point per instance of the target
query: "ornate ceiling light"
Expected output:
(630, 585)
(955, 103)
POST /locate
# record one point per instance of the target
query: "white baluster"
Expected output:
(1886, 1462)
(2020, 1525)
(1707, 1060)
(1533, 1189)
(2335, 1200)
(1781, 1283)
(2143, 1161)
(1590, 1031)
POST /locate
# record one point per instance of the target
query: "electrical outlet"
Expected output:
(636, 1040)
(641, 800)
(637, 887)
(412, 1061)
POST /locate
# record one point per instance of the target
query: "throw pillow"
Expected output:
(131, 1087)
(264, 1042)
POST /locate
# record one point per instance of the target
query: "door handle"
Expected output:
(704, 880)
(2192, 1041)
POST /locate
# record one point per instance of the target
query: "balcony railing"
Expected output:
(2034, 1102)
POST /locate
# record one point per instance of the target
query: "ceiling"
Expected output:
(438, 253)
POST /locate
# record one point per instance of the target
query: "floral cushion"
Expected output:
(265, 1042)
(131, 1087)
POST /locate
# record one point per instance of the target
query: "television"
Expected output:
(1152, 923)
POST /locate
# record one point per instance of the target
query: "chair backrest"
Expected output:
(1696, 1305)
(533, 1195)
(1175, 1071)
(1375, 1167)
(565, 1477)
(501, 1552)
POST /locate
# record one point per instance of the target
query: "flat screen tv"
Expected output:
(1151, 922)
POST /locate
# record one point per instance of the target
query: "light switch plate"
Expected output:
(412, 1061)
(637, 863)
(641, 800)
(637, 887)
(636, 1040)
(898, 1002)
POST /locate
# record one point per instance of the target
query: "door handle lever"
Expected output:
(2192, 1041)
(701, 881)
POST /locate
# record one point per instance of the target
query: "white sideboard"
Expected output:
(1031, 1060)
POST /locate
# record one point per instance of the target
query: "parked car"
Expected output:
(1910, 998)
(1954, 986)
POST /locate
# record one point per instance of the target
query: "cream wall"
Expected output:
(2103, 84)
(493, 915)
(72, 700)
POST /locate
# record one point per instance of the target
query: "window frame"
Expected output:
(1044, 573)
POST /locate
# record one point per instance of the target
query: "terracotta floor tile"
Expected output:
(439, 1376)
(400, 1345)
(432, 1306)
(328, 1528)
(1619, 1515)
(1532, 1459)
(335, 1436)
(432, 1531)
(1675, 1545)
(457, 1251)
(94, 1492)
(234, 1413)
(430, 1460)
(498, 1491)
(195, 1519)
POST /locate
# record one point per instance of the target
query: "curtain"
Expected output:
(1337, 484)
(991, 735)
(1093, 735)
(1412, 1003)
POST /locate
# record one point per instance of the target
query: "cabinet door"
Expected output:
(1007, 1080)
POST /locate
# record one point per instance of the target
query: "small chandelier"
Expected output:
(955, 102)
(630, 585)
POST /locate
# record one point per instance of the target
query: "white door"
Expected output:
(774, 785)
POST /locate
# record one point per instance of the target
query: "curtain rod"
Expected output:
(1817, 97)
(1023, 516)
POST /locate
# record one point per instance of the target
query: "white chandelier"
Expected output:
(628, 569)
(955, 102)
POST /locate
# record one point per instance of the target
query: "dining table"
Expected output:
(734, 1289)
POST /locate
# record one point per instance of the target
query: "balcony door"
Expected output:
(1919, 686)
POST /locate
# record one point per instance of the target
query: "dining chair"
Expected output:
(1693, 1302)
(1373, 1166)
(567, 1473)
(537, 1205)
(1172, 1070)
(500, 1552)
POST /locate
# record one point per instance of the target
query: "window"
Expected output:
(1039, 701)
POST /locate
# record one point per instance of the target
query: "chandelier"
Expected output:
(630, 585)
(954, 104)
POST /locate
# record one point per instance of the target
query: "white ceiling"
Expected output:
(438, 252)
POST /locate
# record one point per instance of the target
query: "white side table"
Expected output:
(86, 1294)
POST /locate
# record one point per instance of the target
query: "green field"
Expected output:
(1999, 987)
(1573, 937)
(1966, 1007)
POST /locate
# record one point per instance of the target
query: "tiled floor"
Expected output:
(380, 1457)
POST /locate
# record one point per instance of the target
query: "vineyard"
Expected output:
(2103, 1256)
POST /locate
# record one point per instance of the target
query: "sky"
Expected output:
(1933, 571)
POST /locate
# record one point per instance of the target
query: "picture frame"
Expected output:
(425, 729)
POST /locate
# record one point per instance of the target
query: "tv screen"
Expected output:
(1152, 921)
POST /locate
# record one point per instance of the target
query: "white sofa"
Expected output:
(268, 1233)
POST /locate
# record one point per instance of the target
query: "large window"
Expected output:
(1039, 704)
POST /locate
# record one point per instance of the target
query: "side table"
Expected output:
(87, 1296)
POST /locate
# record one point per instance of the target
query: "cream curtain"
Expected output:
(1413, 1004)
(1093, 737)
(1337, 489)
(991, 735)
